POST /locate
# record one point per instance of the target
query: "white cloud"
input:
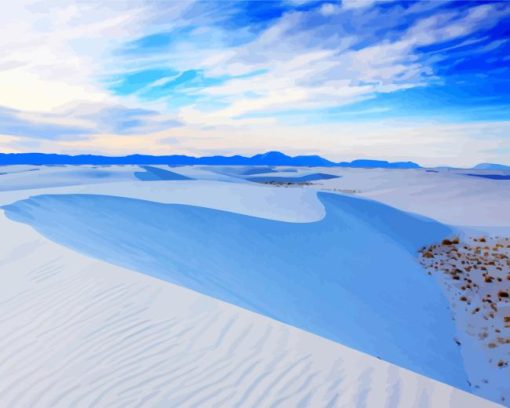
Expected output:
(23, 89)
(357, 4)
(446, 26)
(299, 2)
(57, 54)
(303, 73)
(329, 9)
(8, 144)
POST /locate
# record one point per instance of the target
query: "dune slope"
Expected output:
(152, 173)
(325, 277)
(79, 332)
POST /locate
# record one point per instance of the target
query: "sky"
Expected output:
(427, 81)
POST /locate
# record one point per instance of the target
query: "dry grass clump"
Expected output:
(286, 183)
(476, 272)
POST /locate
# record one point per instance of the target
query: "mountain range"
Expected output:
(273, 158)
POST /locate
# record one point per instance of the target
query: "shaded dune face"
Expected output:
(56, 177)
(152, 173)
(351, 277)
(243, 170)
(491, 176)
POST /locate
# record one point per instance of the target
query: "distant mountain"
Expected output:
(380, 164)
(266, 159)
(280, 159)
(491, 166)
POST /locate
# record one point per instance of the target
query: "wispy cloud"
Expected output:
(81, 74)
(310, 59)
(17, 123)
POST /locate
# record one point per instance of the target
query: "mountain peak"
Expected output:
(274, 154)
(491, 166)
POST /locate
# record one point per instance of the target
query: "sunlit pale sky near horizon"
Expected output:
(427, 81)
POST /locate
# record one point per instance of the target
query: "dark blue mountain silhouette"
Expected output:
(380, 164)
(266, 159)
(491, 166)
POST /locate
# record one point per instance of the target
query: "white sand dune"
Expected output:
(33, 177)
(82, 333)
(293, 205)
(315, 276)
(447, 196)
(450, 197)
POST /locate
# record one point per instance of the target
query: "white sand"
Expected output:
(448, 196)
(79, 332)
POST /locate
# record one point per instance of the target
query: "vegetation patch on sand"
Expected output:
(285, 183)
(476, 274)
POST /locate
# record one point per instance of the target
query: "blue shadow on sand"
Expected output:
(491, 176)
(351, 277)
(156, 174)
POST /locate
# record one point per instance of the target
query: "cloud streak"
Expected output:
(228, 76)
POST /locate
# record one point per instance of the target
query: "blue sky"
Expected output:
(421, 80)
